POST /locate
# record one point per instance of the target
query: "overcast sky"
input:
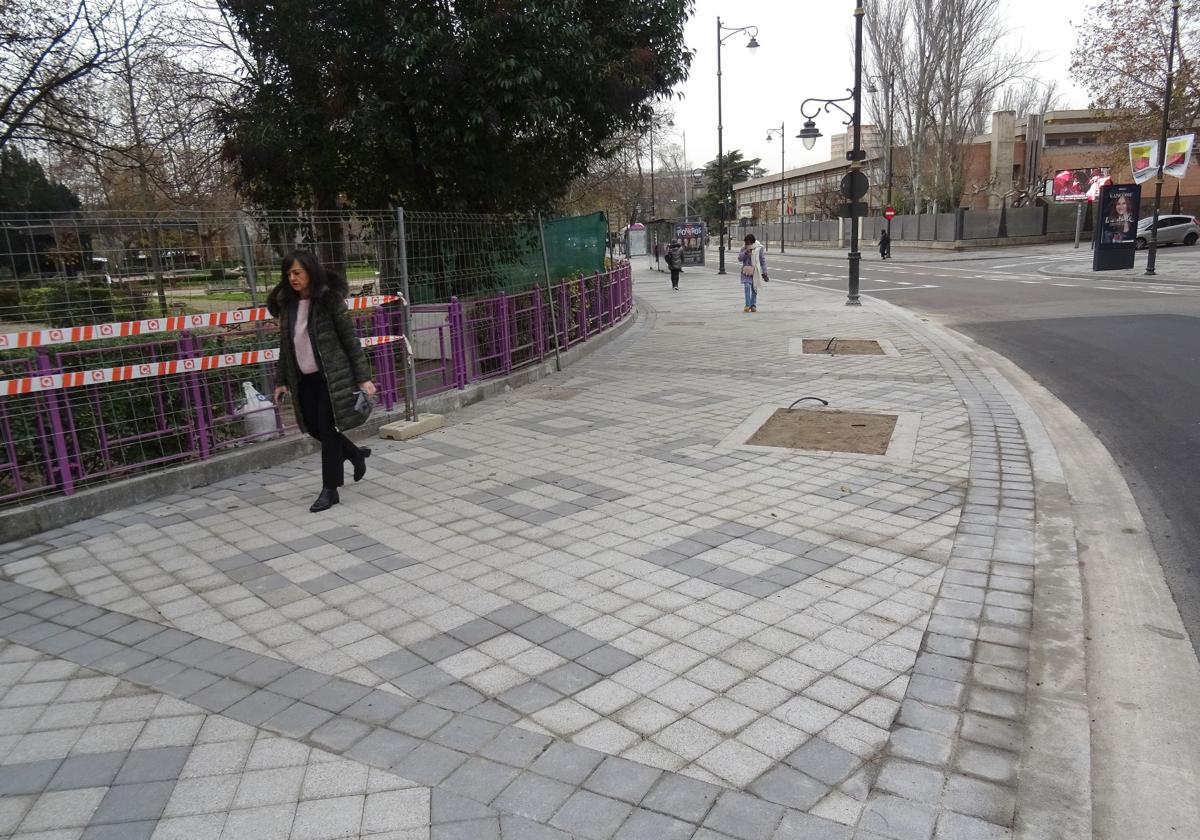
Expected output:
(806, 50)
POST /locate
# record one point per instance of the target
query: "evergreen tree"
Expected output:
(720, 181)
(24, 187)
(443, 104)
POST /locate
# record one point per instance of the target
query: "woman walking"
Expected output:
(321, 362)
(753, 258)
(675, 263)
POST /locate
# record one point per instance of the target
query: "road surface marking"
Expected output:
(907, 289)
(1068, 285)
(1031, 282)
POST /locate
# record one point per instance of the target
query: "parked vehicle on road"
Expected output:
(1172, 229)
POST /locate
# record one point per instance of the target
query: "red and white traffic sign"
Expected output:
(889, 213)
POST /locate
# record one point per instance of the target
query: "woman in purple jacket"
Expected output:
(753, 259)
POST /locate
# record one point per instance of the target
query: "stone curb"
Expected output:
(1052, 775)
(58, 511)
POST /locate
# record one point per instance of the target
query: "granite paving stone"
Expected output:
(611, 621)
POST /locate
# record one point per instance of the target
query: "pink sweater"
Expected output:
(306, 359)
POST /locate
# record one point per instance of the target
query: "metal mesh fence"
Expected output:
(465, 255)
(128, 343)
(64, 270)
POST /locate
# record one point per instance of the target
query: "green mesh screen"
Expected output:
(467, 255)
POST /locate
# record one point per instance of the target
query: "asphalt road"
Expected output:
(1123, 354)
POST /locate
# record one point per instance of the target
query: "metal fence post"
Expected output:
(458, 343)
(505, 332)
(264, 381)
(410, 369)
(539, 325)
(200, 408)
(583, 309)
(248, 259)
(58, 440)
(549, 294)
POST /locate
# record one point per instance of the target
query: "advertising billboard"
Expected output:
(1116, 226)
(1080, 184)
(691, 235)
(1143, 157)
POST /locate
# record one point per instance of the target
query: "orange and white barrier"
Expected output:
(174, 323)
(150, 370)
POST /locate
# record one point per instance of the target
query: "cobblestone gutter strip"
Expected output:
(538, 786)
(969, 727)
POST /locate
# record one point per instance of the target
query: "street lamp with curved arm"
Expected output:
(751, 45)
(854, 184)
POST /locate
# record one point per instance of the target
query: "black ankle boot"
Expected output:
(327, 499)
(360, 469)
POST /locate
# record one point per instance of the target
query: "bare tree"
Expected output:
(948, 68)
(828, 202)
(1030, 96)
(46, 54)
(618, 180)
(1121, 61)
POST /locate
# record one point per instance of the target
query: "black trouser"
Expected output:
(317, 412)
(674, 278)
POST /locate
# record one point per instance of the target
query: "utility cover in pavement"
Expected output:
(826, 431)
(843, 346)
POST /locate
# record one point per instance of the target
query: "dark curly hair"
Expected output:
(320, 280)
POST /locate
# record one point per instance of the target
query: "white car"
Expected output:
(1172, 229)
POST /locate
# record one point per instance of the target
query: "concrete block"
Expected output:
(408, 429)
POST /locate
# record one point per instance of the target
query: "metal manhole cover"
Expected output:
(843, 346)
(826, 431)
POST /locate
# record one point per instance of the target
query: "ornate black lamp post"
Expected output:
(855, 184)
(752, 45)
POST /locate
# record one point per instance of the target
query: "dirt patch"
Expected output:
(843, 346)
(826, 431)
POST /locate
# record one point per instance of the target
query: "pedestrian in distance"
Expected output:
(675, 263)
(322, 365)
(885, 245)
(753, 258)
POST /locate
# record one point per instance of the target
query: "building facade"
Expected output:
(1010, 164)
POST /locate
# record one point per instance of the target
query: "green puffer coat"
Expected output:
(339, 355)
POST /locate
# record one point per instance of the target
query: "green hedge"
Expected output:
(70, 303)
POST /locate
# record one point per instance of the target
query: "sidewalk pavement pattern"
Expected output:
(579, 610)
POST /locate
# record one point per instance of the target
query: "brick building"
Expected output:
(998, 166)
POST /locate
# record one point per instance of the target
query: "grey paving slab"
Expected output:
(550, 644)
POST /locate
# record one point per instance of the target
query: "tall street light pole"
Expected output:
(652, 202)
(686, 175)
(752, 45)
(1152, 256)
(782, 181)
(855, 185)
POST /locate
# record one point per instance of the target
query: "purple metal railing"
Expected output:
(56, 441)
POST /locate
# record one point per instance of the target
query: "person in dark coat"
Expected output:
(675, 263)
(322, 364)
(885, 245)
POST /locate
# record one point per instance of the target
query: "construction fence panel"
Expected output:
(99, 379)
